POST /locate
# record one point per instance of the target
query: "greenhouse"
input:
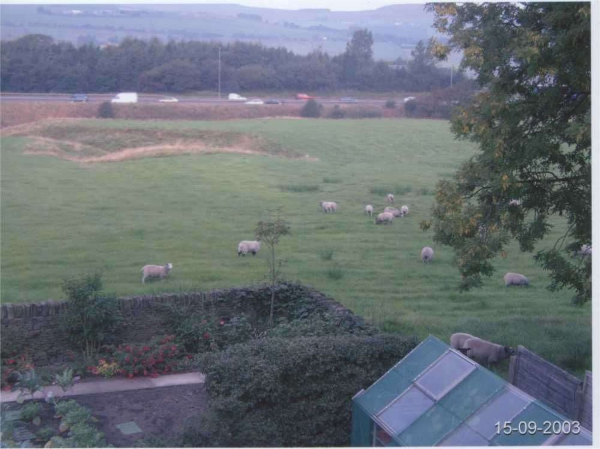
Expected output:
(436, 396)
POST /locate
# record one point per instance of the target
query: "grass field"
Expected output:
(61, 218)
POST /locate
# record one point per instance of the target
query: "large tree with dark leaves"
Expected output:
(532, 124)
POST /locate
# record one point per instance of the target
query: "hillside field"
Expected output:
(65, 215)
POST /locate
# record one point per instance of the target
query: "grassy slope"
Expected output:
(59, 219)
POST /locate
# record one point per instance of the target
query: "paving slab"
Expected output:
(112, 385)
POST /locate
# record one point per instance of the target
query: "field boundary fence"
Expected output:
(550, 384)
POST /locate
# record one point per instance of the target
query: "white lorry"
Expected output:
(237, 97)
(125, 97)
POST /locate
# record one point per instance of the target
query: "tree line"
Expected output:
(36, 63)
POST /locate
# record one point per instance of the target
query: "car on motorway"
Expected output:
(304, 97)
(407, 99)
(236, 97)
(168, 100)
(348, 100)
(125, 97)
(79, 98)
(273, 101)
(255, 101)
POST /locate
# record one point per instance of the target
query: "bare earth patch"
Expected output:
(77, 142)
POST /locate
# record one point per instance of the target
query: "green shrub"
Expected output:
(335, 273)
(320, 325)
(30, 411)
(45, 433)
(106, 110)
(410, 107)
(337, 112)
(390, 104)
(290, 392)
(311, 109)
(326, 254)
(90, 318)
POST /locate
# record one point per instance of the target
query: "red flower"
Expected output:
(154, 375)
(10, 361)
(189, 356)
(145, 373)
(130, 375)
(206, 335)
(127, 348)
(127, 359)
(173, 348)
(146, 348)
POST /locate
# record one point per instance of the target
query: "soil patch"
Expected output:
(159, 412)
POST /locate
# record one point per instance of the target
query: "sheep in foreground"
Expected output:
(427, 254)
(392, 210)
(404, 210)
(515, 279)
(369, 210)
(248, 246)
(390, 197)
(155, 271)
(457, 341)
(486, 353)
(385, 217)
(328, 206)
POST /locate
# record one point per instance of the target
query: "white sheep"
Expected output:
(427, 254)
(156, 271)
(248, 246)
(486, 353)
(392, 210)
(385, 217)
(515, 279)
(457, 341)
(390, 197)
(328, 206)
(369, 210)
(514, 203)
(404, 210)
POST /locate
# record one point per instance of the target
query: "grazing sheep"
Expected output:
(392, 210)
(385, 217)
(248, 246)
(390, 197)
(515, 279)
(427, 254)
(404, 210)
(457, 341)
(369, 210)
(156, 271)
(486, 353)
(586, 250)
(328, 206)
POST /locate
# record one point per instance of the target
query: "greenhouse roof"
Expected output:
(436, 396)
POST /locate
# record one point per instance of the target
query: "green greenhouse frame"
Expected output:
(436, 396)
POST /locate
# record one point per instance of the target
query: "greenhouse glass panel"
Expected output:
(430, 428)
(472, 393)
(504, 407)
(464, 436)
(535, 414)
(420, 358)
(448, 371)
(575, 440)
(384, 391)
(405, 410)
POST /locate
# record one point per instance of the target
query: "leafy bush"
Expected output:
(30, 411)
(79, 421)
(390, 104)
(410, 107)
(337, 112)
(335, 273)
(326, 254)
(290, 392)
(90, 318)
(106, 110)
(320, 325)
(311, 109)
(45, 433)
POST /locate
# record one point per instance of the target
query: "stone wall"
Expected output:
(36, 328)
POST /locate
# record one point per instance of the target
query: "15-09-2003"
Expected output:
(532, 427)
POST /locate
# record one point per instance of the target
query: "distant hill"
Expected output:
(396, 28)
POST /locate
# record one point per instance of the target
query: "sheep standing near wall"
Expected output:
(457, 341)
(385, 217)
(155, 271)
(427, 254)
(392, 210)
(390, 197)
(369, 210)
(248, 246)
(515, 279)
(486, 353)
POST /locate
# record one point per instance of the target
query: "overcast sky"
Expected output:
(335, 5)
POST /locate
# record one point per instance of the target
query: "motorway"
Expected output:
(98, 98)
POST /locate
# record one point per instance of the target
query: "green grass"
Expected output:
(60, 218)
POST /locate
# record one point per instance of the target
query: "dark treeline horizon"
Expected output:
(36, 63)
